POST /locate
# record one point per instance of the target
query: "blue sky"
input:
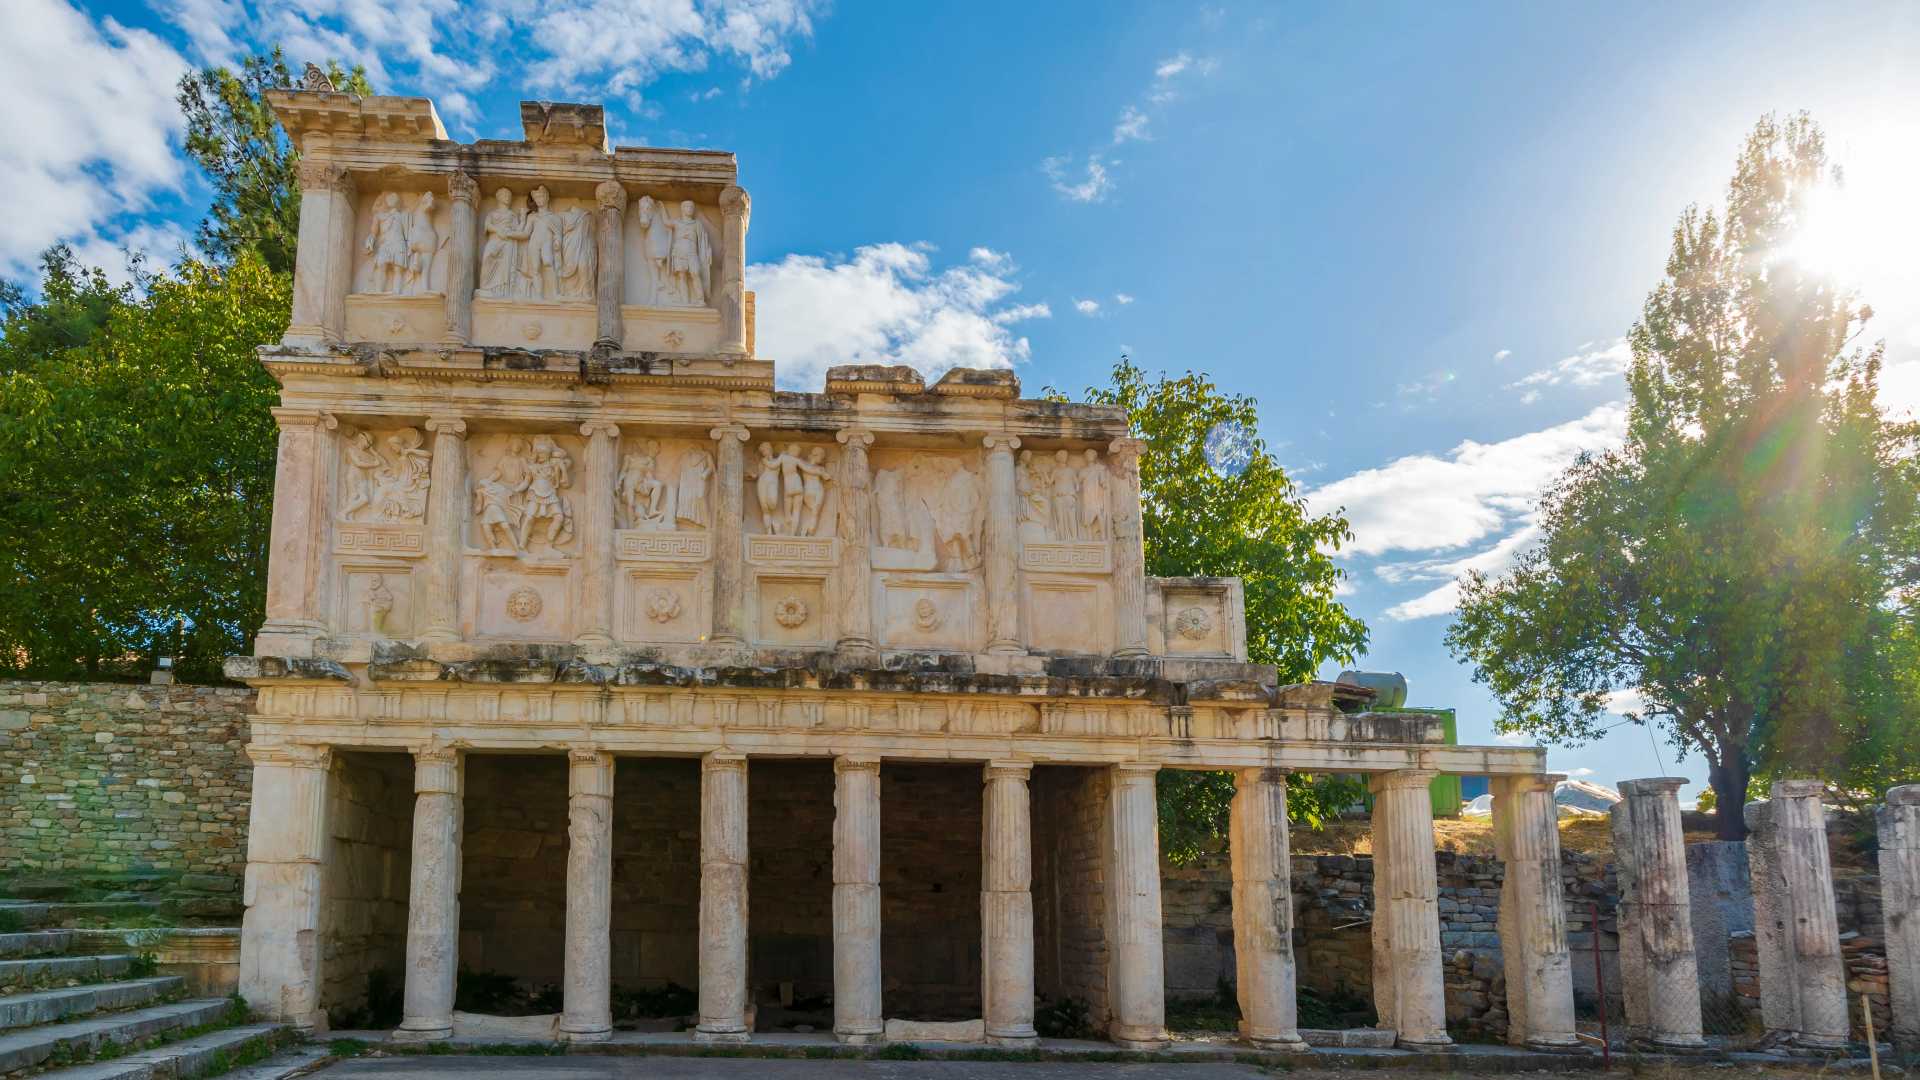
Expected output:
(1416, 233)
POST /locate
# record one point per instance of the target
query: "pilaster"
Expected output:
(1129, 551)
(323, 259)
(446, 525)
(302, 512)
(723, 898)
(433, 898)
(1263, 910)
(731, 299)
(1002, 554)
(463, 197)
(596, 536)
(856, 559)
(1803, 979)
(1409, 985)
(729, 570)
(1660, 979)
(1533, 915)
(588, 1015)
(610, 288)
(857, 1016)
(284, 891)
(1136, 959)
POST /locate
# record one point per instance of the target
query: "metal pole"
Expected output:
(1600, 986)
(1873, 1050)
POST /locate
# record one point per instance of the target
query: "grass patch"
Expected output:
(11, 922)
(346, 1048)
(900, 1052)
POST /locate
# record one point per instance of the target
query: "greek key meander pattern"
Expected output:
(664, 546)
(1067, 558)
(792, 550)
(379, 540)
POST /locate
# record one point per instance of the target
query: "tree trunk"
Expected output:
(1729, 783)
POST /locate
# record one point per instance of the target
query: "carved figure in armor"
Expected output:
(766, 489)
(956, 518)
(423, 245)
(506, 229)
(543, 248)
(379, 601)
(690, 263)
(1066, 498)
(494, 514)
(548, 471)
(696, 468)
(813, 490)
(577, 255)
(642, 495)
(402, 492)
(387, 244)
(657, 244)
(1093, 498)
(367, 465)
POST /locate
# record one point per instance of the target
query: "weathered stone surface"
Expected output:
(1662, 987)
(1803, 982)
(1899, 823)
(954, 1031)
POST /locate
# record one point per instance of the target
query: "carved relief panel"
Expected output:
(672, 248)
(1064, 499)
(524, 488)
(928, 510)
(664, 512)
(399, 279)
(376, 600)
(381, 498)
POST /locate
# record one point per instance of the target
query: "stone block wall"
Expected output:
(363, 926)
(930, 836)
(513, 881)
(1069, 886)
(1862, 948)
(115, 778)
(656, 870)
(790, 877)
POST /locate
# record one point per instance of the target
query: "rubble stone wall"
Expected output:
(930, 843)
(1069, 879)
(363, 926)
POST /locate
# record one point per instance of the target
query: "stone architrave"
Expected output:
(1409, 983)
(729, 524)
(1263, 910)
(446, 528)
(723, 898)
(1002, 551)
(1129, 552)
(463, 199)
(595, 515)
(731, 298)
(611, 199)
(1136, 959)
(1533, 914)
(1899, 822)
(588, 1015)
(323, 260)
(1803, 979)
(857, 1017)
(1006, 906)
(433, 898)
(286, 846)
(303, 486)
(1659, 974)
(855, 531)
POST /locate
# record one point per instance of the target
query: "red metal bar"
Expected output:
(1600, 987)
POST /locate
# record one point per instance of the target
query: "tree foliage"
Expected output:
(1197, 519)
(1746, 564)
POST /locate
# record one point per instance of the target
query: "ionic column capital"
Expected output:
(611, 195)
(600, 427)
(1136, 772)
(723, 761)
(1401, 779)
(589, 772)
(735, 202)
(1126, 448)
(1008, 770)
(735, 431)
(317, 176)
(463, 188)
(292, 755)
(436, 770)
(854, 436)
(293, 418)
(447, 425)
(856, 763)
(1000, 444)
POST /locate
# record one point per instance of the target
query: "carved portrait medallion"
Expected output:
(524, 603)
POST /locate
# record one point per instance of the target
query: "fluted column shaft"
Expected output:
(610, 288)
(280, 975)
(1409, 985)
(463, 195)
(1659, 977)
(723, 898)
(1002, 551)
(1899, 822)
(302, 511)
(856, 557)
(731, 297)
(729, 570)
(433, 897)
(1803, 979)
(1129, 551)
(1006, 905)
(323, 257)
(1533, 913)
(1137, 959)
(857, 1017)
(588, 1015)
(1263, 910)
(595, 503)
(446, 527)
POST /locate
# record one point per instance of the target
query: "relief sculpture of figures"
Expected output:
(539, 253)
(389, 490)
(577, 255)
(521, 490)
(644, 500)
(696, 469)
(401, 246)
(791, 489)
(549, 469)
(1064, 499)
(679, 253)
(423, 244)
(1093, 498)
(932, 506)
(542, 257)
(506, 227)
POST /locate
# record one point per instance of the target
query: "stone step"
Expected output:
(93, 912)
(36, 943)
(22, 915)
(52, 1006)
(197, 1056)
(52, 969)
(34, 1046)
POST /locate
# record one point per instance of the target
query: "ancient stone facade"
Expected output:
(537, 495)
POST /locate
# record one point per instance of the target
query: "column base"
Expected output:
(860, 1038)
(594, 1035)
(1014, 1040)
(1440, 1041)
(740, 1035)
(1555, 1044)
(1671, 1044)
(422, 1034)
(1139, 1044)
(1288, 1042)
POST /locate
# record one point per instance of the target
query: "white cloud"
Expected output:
(159, 245)
(1443, 598)
(1622, 702)
(1092, 187)
(1122, 299)
(1900, 389)
(991, 259)
(1087, 307)
(1589, 367)
(90, 130)
(1131, 125)
(1172, 66)
(885, 305)
(1580, 773)
(1502, 355)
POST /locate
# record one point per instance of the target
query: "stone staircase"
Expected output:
(68, 1013)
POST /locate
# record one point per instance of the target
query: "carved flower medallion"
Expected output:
(531, 330)
(663, 605)
(926, 614)
(675, 339)
(1193, 623)
(791, 612)
(524, 603)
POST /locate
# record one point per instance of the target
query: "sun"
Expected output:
(1864, 231)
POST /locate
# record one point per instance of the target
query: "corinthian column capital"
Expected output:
(324, 176)
(463, 188)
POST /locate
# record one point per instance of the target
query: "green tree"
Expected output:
(1248, 521)
(232, 134)
(1745, 565)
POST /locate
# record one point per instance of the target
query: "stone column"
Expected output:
(302, 511)
(433, 899)
(463, 196)
(723, 898)
(1263, 910)
(1006, 905)
(1002, 548)
(323, 259)
(588, 1015)
(731, 297)
(1659, 975)
(446, 530)
(1803, 980)
(857, 1018)
(1533, 913)
(610, 330)
(595, 500)
(856, 556)
(1409, 985)
(1900, 900)
(1137, 960)
(286, 847)
(729, 525)
(1129, 552)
